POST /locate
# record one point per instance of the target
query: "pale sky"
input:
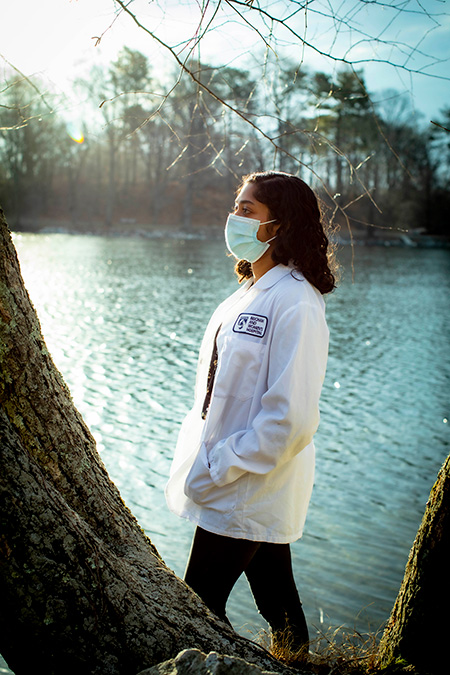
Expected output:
(55, 38)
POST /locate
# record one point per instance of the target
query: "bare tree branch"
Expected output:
(29, 81)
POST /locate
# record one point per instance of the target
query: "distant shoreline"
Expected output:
(129, 228)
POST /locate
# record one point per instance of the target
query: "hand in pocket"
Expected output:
(199, 482)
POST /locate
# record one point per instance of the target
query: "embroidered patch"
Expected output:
(251, 324)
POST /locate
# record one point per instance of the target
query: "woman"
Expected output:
(244, 464)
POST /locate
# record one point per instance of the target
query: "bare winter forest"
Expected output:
(140, 156)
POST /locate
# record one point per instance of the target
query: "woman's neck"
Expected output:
(263, 265)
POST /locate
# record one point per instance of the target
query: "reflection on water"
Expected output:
(123, 319)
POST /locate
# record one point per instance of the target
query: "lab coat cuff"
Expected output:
(203, 456)
(214, 470)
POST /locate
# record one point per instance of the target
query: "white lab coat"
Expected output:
(247, 470)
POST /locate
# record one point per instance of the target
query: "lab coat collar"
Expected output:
(271, 277)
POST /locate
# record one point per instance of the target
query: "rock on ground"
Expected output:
(195, 662)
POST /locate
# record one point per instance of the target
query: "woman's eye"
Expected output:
(242, 210)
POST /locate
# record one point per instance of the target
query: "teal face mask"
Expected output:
(241, 239)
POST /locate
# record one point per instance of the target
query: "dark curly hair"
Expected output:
(301, 239)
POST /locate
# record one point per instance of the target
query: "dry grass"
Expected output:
(338, 652)
(345, 652)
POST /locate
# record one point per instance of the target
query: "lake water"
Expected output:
(123, 319)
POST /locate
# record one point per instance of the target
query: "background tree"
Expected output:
(439, 144)
(118, 91)
(344, 109)
(30, 146)
(232, 144)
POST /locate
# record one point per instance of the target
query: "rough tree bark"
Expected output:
(82, 588)
(417, 630)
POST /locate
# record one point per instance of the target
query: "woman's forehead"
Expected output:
(246, 195)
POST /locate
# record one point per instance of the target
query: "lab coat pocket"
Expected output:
(198, 481)
(239, 367)
(201, 489)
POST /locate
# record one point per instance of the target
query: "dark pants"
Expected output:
(215, 564)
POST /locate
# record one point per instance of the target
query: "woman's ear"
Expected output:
(273, 228)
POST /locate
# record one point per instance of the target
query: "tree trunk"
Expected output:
(112, 187)
(82, 588)
(417, 630)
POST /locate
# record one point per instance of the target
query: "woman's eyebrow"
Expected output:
(244, 201)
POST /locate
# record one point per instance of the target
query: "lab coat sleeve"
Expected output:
(289, 414)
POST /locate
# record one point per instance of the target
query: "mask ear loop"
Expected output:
(266, 223)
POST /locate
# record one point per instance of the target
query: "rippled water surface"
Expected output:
(123, 319)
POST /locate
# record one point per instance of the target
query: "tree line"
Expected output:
(172, 152)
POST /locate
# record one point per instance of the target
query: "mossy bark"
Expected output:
(82, 588)
(417, 630)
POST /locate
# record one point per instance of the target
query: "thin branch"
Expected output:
(99, 38)
(440, 126)
(28, 81)
(337, 59)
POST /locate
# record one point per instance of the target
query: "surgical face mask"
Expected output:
(241, 239)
